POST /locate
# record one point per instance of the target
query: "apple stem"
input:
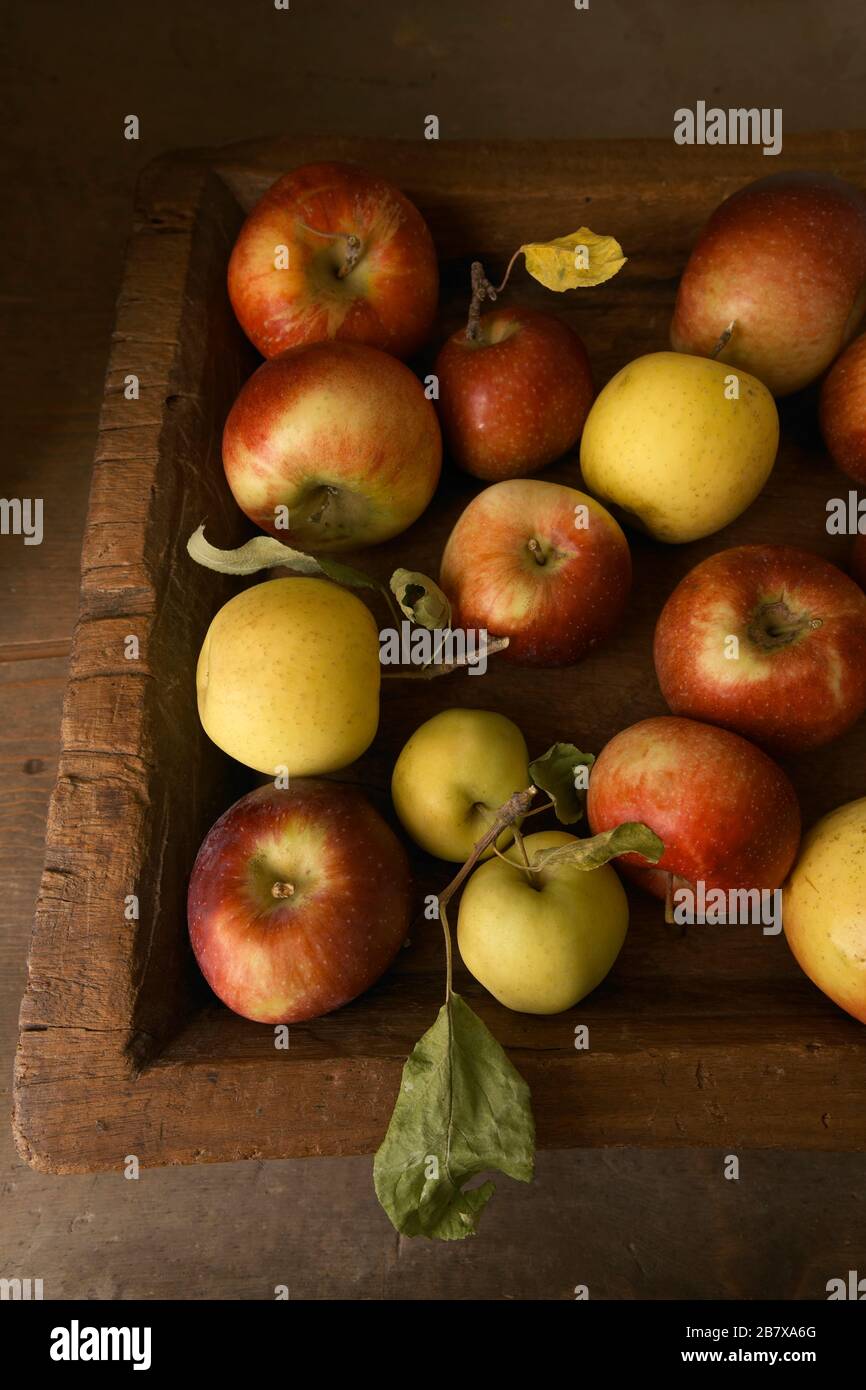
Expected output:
(724, 339)
(669, 899)
(518, 840)
(282, 890)
(510, 811)
(536, 551)
(481, 290)
(353, 247)
(353, 255)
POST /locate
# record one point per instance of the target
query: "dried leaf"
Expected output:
(574, 262)
(632, 837)
(420, 599)
(266, 552)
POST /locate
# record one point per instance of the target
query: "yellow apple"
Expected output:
(681, 444)
(824, 907)
(540, 946)
(453, 775)
(288, 677)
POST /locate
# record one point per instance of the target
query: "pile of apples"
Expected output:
(334, 443)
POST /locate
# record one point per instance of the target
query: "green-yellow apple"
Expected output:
(514, 397)
(843, 410)
(288, 677)
(331, 251)
(542, 564)
(452, 776)
(331, 446)
(681, 444)
(541, 945)
(824, 907)
(784, 261)
(298, 901)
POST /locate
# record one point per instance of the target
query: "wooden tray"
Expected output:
(714, 1038)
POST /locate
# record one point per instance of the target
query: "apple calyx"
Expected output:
(282, 890)
(775, 624)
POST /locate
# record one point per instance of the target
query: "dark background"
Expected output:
(627, 1223)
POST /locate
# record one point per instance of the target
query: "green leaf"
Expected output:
(420, 599)
(266, 552)
(462, 1110)
(632, 837)
(556, 773)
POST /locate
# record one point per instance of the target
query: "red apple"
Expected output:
(769, 641)
(514, 398)
(298, 901)
(843, 411)
(332, 251)
(541, 564)
(727, 814)
(784, 259)
(339, 434)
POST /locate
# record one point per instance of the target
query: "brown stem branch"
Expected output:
(510, 811)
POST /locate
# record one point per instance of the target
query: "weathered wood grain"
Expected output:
(715, 1038)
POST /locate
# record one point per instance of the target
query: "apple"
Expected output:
(332, 251)
(298, 901)
(514, 398)
(682, 445)
(331, 446)
(539, 947)
(453, 775)
(769, 641)
(824, 907)
(541, 564)
(784, 260)
(288, 677)
(726, 813)
(843, 411)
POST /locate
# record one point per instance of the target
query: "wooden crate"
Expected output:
(713, 1038)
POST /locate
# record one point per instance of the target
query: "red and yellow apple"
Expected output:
(332, 251)
(298, 901)
(725, 812)
(513, 398)
(541, 564)
(843, 410)
(784, 261)
(338, 441)
(824, 907)
(769, 641)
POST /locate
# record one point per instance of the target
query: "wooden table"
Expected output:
(626, 1223)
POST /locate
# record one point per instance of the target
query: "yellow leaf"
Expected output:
(573, 262)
